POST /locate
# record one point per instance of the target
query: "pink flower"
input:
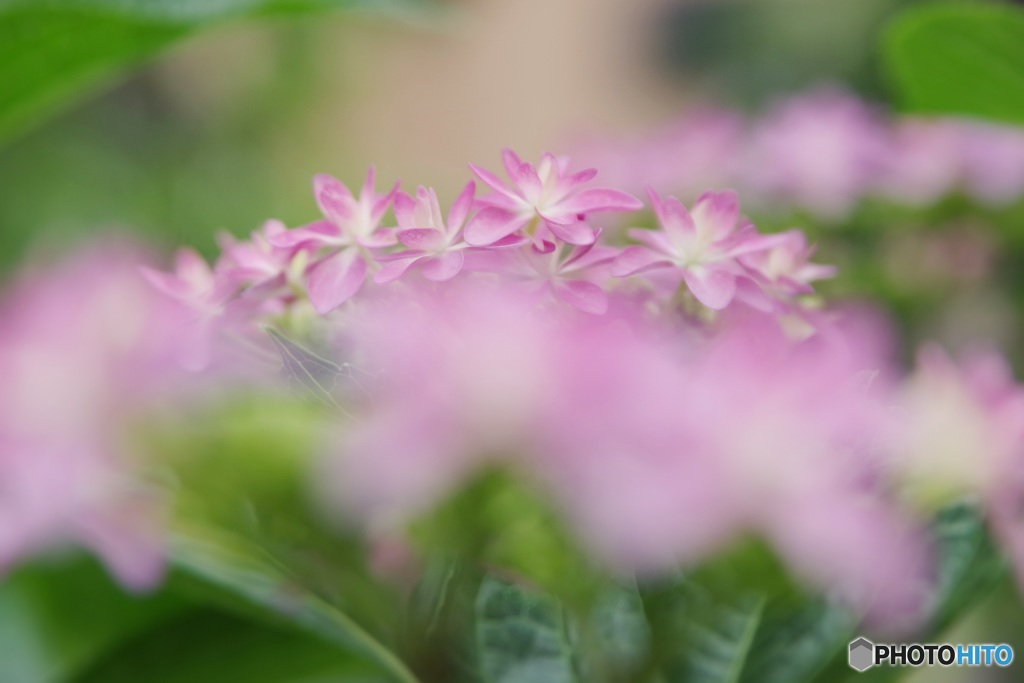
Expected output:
(573, 275)
(819, 150)
(703, 148)
(665, 454)
(784, 270)
(259, 265)
(961, 434)
(993, 161)
(702, 245)
(920, 162)
(466, 376)
(349, 234)
(85, 348)
(431, 245)
(548, 193)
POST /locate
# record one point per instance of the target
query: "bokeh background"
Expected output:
(227, 128)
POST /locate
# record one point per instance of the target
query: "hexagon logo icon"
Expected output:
(862, 654)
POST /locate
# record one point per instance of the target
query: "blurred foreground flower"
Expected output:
(614, 413)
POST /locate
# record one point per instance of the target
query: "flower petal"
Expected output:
(635, 259)
(576, 232)
(582, 294)
(601, 200)
(492, 224)
(332, 281)
(394, 269)
(405, 211)
(333, 198)
(526, 178)
(315, 234)
(713, 287)
(443, 266)
(461, 207)
(379, 238)
(716, 213)
(426, 239)
(494, 182)
(511, 161)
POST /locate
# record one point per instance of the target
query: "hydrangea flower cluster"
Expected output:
(670, 388)
(537, 231)
(822, 151)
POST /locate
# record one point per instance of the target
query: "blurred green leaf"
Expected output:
(214, 647)
(959, 59)
(970, 565)
(59, 615)
(234, 575)
(719, 648)
(55, 51)
(521, 636)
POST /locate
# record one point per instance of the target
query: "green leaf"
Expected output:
(959, 58)
(797, 642)
(55, 51)
(970, 564)
(58, 615)
(720, 648)
(233, 575)
(521, 636)
(214, 647)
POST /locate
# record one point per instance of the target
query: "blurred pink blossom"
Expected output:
(348, 236)
(432, 245)
(817, 151)
(702, 244)
(961, 431)
(547, 192)
(84, 347)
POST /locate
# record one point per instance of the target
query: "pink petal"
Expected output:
(749, 291)
(405, 211)
(634, 260)
(601, 200)
(443, 266)
(749, 240)
(492, 224)
(394, 269)
(334, 280)
(333, 198)
(380, 206)
(317, 233)
(425, 239)
(655, 239)
(589, 256)
(717, 213)
(577, 232)
(511, 161)
(493, 181)
(512, 240)
(713, 287)
(460, 207)
(371, 175)
(167, 283)
(380, 238)
(677, 221)
(581, 177)
(528, 181)
(584, 295)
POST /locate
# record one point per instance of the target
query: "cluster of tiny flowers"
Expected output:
(535, 231)
(668, 388)
(822, 151)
